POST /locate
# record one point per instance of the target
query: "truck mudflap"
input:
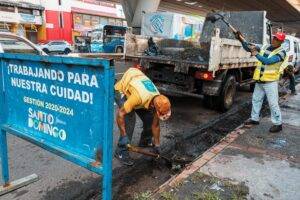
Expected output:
(212, 88)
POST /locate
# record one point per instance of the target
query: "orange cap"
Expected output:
(163, 107)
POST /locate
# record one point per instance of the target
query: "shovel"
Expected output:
(174, 160)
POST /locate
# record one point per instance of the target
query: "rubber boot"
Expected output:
(123, 156)
(275, 129)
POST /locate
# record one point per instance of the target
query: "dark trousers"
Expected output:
(145, 115)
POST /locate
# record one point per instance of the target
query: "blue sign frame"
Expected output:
(62, 104)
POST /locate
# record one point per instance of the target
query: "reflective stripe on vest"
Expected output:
(268, 72)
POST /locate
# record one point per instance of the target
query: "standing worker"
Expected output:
(267, 73)
(136, 93)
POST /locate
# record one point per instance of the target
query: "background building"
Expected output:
(66, 19)
(24, 18)
(44, 20)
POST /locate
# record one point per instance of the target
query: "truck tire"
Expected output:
(228, 93)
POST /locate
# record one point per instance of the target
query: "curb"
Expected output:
(207, 156)
(202, 160)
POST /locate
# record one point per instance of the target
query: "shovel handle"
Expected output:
(242, 38)
(142, 151)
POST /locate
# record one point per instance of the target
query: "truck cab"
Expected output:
(292, 48)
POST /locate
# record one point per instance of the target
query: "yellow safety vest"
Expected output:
(271, 72)
(141, 83)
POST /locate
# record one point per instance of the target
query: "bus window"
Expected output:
(114, 30)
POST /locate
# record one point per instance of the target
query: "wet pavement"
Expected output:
(60, 179)
(248, 164)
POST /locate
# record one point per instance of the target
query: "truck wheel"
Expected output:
(228, 94)
(119, 50)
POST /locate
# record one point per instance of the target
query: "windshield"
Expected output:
(114, 30)
(13, 45)
(97, 35)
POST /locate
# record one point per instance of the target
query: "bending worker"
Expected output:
(136, 93)
(267, 73)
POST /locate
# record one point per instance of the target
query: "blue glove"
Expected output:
(123, 141)
(156, 150)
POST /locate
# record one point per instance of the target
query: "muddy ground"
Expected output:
(147, 174)
(191, 130)
(60, 179)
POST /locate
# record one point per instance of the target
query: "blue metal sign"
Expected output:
(64, 105)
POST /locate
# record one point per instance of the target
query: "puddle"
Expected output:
(278, 143)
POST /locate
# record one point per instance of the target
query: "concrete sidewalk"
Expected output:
(247, 164)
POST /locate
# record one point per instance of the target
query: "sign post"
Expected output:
(4, 158)
(64, 105)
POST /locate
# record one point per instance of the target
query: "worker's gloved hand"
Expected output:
(252, 47)
(238, 35)
(254, 52)
(156, 150)
(123, 141)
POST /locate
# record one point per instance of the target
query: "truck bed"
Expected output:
(219, 54)
(179, 64)
(217, 49)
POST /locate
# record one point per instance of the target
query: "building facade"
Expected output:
(24, 18)
(45, 20)
(66, 19)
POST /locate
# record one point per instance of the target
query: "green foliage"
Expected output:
(168, 196)
(206, 196)
(143, 196)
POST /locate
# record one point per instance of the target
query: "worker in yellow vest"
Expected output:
(136, 93)
(267, 73)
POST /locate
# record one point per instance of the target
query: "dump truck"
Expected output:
(211, 68)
